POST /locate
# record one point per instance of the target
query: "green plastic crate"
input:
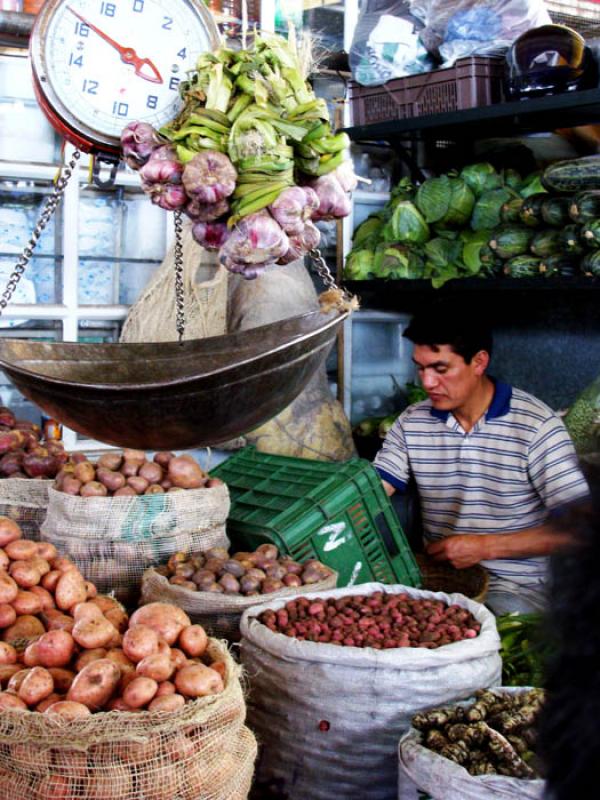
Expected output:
(338, 513)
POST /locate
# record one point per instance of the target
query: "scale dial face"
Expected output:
(98, 65)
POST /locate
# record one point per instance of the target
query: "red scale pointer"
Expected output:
(128, 54)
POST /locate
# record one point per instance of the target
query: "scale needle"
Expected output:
(128, 54)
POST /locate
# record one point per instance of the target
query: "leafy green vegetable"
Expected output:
(511, 178)
(407, 224)
(433, 198)
(462, 201)
(532, 184)
(473, 242)
(398, 261)
(480, 177)
(523, 649)
(583, 419)
(359, 265)
(368, 231)
(486, 213)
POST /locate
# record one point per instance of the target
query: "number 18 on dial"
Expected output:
(98, 64)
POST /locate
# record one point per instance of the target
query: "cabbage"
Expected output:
(462, 201)
(583, 419)
(486, 213)
(511, 178)
(368, 231)
(408, 225)
(531, 185)
(433, 198)
(398, 261)
(473, 242)
(480, 177)
(359, 265)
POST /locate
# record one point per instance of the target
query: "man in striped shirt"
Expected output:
(489, 460)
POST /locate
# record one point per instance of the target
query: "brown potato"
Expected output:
(185, 473)
(163, 458)
(126, 491)
(151, 471)
(93, 489)
(138, 484)
(112, 480)
(111, 461)
(36, 686)
(85, 472)
(94, 685)
(154, 488)
(198, 680)
(137, 456)
(130, 468)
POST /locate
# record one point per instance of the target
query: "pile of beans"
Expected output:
(379, 620)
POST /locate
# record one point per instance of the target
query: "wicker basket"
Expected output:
(443, 577)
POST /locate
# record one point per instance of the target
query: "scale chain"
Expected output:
(178, 258)
(322, 269)
(47, 212)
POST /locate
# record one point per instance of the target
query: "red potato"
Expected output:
(16, 680)
(50, 579)
(106, 603)
(68, 710)
(8, 670)
(9, 531)
(163, 457)
(120, 659)
(138, 484)
(55, 620)
(139, 753)
(159, 667)
(36, 686)
(85, 472)
(48, 701)
(26, 603)
(118, 704)
(70, 485)
(21, 549)
(220, 667)
(166, 619)
(46, 599)
(193, 640)
(8, 654)
(8, 588)
(198, 680)
(63, 678)
(117, 617)
(140, 692)
(46, 550)
(78, 458)
(126, 491)
(88, 656)
(24, 574)
(139, 642)
(70, 590)
(91, 590)
(154, 488)
(11, 702)
(55, 648)
(178, 657)
(63, 564)
(4, 560)
(55, 787)
(94, 633)
(93, 489)
(151, 471)
(7, 615)
(30, 657)
(165, 688)
(95, 684)
(41, 564)
(167, 703)
(110, 461)
(185, 473)
(73, 763)
(112, 480)
(135, 456)
(26, 627)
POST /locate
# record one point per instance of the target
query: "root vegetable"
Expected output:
(151, 471)
(185, 473)
(24, 574)
(68, 710)
(110, 461)
(193, 641)
(70, 485)
(167, 703)
(36, 686)
(55, 648)
(140, 692)
(94, 685)
(126, 491)
(63, 678)
(8, 670)
(155, 488)
(7, 615)
(26, 603)
(112, 480)
(93, 633)
(8, 588)
(70, 590)
(159, 667)
(8, 654)
(55, 620)
(138, 484)
(85, 472)
(140, 641)
(165, 688)
(198, 680)
(21, 549)
(93, 489)
(11, 702)
(134, 456)
(230, 584)
(48, 701)
(162, 458)
(167, 620)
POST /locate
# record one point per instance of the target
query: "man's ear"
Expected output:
(480, 361)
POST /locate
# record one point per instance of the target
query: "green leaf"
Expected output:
(433, 198)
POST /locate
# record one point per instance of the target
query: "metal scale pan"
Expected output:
(170, 395)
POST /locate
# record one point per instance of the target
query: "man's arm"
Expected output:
(464, 550)
(388, 488)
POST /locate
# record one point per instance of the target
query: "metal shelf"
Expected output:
(502, 119)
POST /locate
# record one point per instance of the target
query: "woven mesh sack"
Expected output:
(26, 502)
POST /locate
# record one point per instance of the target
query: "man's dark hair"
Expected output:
(465, 332)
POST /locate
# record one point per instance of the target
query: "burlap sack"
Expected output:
(114, 539)
(202, 752)
(152, 318)
(329, 718)
(219, 614)
(26, 502)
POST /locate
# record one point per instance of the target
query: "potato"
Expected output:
(167, 702)
(46, 599)
(112, 480)
(185, 473)
(118, 656)
(63, 678)
(152, 472)
(46, 550)
(154, 488)
(36, 686)
(62, 564)
(8, 654)
(138, 484)
(30, 656)
(178, 747)
(267, 550)
(116, 782)
(178, 657)
(164, 688)
(198, 680)
(94, 685)
(8, 588)
(220, 667)
(140, 692)
(91, 590)
(55, 620)
(162, 784)
(26, 627)
(50, 579)
(55, 648)
(85, 472)
(68, 710)
(106, 603)
(135, 456)
(126, 491)
(230, 584)
(93, 489)
(26, 603)
(48, 701)
(140, 641)
(93, 632)
(139, 752)
(111, 461)
(163, 458)
(166, 619)
(118, 704)
(7, 615)
(68, 761)
(117, 617)
(70, 590)
(41, 564)
(70, 485)
(4, 560)
(159, 667)
(9, 531)
(11, 702)
(25, 574)
(193, 640)
(129, 468)
(8, 670)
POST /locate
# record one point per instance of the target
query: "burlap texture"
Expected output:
(114, 539)
(202, 752)
(219, 614)
(153, 317)
(25, 500)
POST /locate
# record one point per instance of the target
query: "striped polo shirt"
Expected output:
(514, 466)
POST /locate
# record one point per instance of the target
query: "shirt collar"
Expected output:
(499, 407)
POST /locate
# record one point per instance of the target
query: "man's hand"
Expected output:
(461, 550)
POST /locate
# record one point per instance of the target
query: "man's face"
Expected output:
(445, 376)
